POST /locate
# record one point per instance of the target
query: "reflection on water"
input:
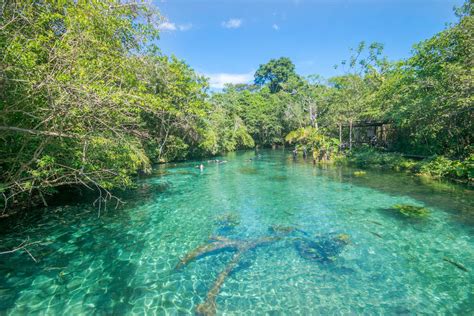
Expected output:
(293, 238)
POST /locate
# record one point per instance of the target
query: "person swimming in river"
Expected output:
(305, 153)
(201, 167)
(217, 161)
(295, 153)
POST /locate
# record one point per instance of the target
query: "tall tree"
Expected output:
(275, 73)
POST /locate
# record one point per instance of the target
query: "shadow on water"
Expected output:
(84, 201)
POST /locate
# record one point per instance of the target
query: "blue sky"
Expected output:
(227, 40)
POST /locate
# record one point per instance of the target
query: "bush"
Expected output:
(435, 167)
(442, 167)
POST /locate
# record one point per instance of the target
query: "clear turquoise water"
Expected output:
(124, 262)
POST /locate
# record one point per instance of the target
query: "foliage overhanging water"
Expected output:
(124, 262)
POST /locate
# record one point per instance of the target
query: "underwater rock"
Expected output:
(323, 249)
(411, 210)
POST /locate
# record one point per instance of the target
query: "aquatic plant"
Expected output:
(248, 170)
(411, 210)
(359, 173)
(280, 229)
(345, 238)
(323, 249)
(228, 220)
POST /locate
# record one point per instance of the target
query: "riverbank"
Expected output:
(436, 167)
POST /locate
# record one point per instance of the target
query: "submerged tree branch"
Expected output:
(22, 246)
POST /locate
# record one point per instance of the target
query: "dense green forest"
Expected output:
(87, 99)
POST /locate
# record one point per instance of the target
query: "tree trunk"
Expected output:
(340, 135)
(350, 134)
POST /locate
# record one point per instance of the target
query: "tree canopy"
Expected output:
(275, 73)
(87, 99)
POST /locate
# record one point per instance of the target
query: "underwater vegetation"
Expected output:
(411, 210)
(248, 170)
(323, 249)
(281, 229)
(228, 219)
(227, 222)
(359, 173)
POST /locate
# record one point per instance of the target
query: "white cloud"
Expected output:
(169, 26)
(219, 80)
(232, 23)
(275, 27)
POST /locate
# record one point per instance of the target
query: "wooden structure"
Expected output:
(369, 132)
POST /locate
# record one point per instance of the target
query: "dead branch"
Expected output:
(208, 248)
(209, 307)
(22, 246)
(36, 132)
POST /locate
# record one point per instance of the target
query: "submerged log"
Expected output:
(209, 307)
(220, 244)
